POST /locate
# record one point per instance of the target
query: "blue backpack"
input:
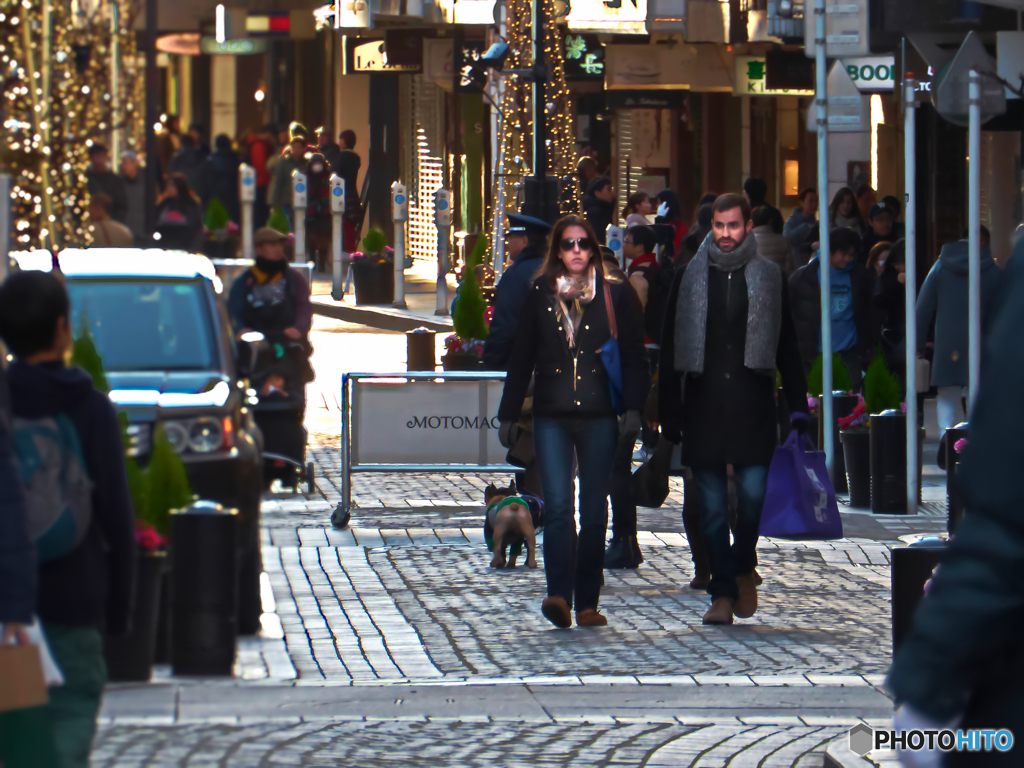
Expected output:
(58, 492)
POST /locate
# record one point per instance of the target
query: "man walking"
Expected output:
(135, 195)
(346, 165)
(854, 330)
(99, 178)
(727, 330)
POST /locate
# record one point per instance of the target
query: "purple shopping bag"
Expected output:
(800, 503)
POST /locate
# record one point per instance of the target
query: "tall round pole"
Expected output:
(153, 170)
(824, 254)
(115, 90)
(910, 163)
(540, 134)
(974, 217)
(443, 222)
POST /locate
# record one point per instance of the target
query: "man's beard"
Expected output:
(729, 248)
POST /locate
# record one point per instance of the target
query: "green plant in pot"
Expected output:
(464, 349)
(221, 233)
(373, 270)
(155, 489)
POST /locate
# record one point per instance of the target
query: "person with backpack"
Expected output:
(17, 558)
(71, 460)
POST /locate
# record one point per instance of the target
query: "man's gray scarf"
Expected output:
(764, 312)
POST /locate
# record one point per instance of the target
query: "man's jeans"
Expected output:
(739, 559)
(75, 705)
(574, 565)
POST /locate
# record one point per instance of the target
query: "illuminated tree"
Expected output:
(56, 99)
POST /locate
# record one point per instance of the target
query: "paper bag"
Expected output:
(21, 678)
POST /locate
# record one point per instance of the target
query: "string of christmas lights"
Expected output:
(516, 149)
(56, 101)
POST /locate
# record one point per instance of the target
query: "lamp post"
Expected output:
(821, 101)
(910, 164)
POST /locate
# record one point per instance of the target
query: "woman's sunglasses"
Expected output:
(583, 243)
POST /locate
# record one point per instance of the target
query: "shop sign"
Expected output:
(372, 56)
(622, 17)
(352, 14)
(872, 73)
(846, 29)
(474, 12)
(645, 99)
(584, 57)
(209, 45)
(750, 79)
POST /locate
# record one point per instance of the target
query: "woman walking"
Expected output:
(638, 207)
(570, 315)
(843, 212)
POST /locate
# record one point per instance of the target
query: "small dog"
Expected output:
(511, 522)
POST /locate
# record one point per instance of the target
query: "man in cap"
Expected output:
(271, 297)
(525, 245)
(880, 220)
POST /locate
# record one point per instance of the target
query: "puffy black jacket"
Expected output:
(805, 300)
(574, 382)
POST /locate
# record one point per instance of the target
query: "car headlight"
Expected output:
(205, 435)
(177, 435)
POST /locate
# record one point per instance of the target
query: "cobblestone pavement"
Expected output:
(404, 598)
(441, 742)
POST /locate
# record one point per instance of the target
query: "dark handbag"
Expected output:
(610, 357)
(650, 480)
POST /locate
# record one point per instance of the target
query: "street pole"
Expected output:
(115, 90)
(152, 88)
(540, 133)
(400, 215)
(247, 196)
(824, 252)
(443, 221)
(299, 215)
(338, 191)
(910, 163)
(5, 224)
(974, 258)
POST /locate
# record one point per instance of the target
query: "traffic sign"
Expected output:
(951, 93)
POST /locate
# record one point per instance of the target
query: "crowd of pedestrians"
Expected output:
(192, 177)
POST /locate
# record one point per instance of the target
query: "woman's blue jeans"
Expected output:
(574, 563)
(739, 559)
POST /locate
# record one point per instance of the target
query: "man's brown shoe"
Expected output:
(700, 581)
(556, 610)
(720, 613)
(588, 617)
(746, 603)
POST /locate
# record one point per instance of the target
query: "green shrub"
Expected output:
(881, 388)
(374, 242)
(469, 310)
(840, 376)
(278, 221)
(217, 216)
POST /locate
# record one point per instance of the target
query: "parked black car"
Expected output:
(161, 327)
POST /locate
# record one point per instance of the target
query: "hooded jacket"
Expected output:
(944, 300)
(94, 586)
(17, 556)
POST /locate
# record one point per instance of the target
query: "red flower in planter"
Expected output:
(147, 537)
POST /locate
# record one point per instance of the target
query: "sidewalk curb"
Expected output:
(382, 317)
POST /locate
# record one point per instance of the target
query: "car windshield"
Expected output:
(146, 324)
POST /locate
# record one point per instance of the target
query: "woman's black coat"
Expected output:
(573, 383)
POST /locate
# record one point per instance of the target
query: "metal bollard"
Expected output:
(911, 567)
(420, 350)
(400, 215)
(204, 592)
(842, 405)
(299, 192)
(613, 239)
(443, 221)
(954, 496)
(338, 255)
(889, 462)
(247, 196)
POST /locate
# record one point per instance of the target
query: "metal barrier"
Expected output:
(418, 422)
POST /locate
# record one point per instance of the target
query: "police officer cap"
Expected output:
(518, 223)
